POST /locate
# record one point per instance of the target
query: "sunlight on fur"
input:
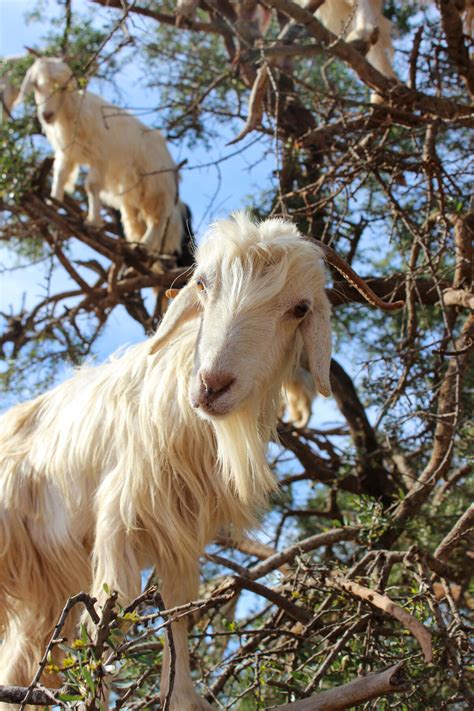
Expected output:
(141, 462)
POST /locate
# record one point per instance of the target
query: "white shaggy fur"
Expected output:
(130, 167)
(361, 20)
(356, 21)
(143, 460)
(299, 392)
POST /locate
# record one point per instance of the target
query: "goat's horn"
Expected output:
(32, 51)
(355, 280)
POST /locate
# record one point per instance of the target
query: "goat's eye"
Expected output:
(201, 285)
(300, 309)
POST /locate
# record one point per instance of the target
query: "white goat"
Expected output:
(361, 21)
(143, 460)
(130, 167)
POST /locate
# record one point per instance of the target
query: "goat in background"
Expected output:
(142, 461)
(130, 167)
(361, 21)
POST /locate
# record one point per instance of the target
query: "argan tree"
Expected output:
(365, 601)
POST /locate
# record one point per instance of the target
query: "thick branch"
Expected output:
(36, 697)
(459, 297)
(459, 531)
(164, 18)
(328, 538)
(425, 291)
(362, 689)
(457, 51)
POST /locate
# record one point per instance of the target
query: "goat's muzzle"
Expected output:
(209, 393)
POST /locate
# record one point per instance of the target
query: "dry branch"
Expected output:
(163, 17)
(383, 602)
(452, 23)
(36, 697)
(362, 689)
(255, 110)
(328, 538)
(459, 531)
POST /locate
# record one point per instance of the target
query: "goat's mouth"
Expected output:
(213, 395)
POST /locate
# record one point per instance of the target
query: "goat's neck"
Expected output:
(70, 116)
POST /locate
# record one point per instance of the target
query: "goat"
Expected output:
(130, 167)
(142, 461)
(361, 21)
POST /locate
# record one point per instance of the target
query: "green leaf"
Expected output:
(89, 680)
(69, 697)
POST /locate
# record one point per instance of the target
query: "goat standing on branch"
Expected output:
(143, 460)
(130, 167)
(362, 23)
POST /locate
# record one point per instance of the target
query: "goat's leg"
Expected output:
(379, 57)
(133, 226)
(154, 236)
(64, 170)
(178, 590)
(365, 24)
(164, 236)
(94, 184)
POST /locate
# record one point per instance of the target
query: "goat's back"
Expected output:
(133, 159)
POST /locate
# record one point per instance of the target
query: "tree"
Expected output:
(379, 502)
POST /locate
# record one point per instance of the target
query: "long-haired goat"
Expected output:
(130, 167)
(361, 21)
(143, 460)
(358, 21)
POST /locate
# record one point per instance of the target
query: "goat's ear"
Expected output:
(25, 88)
(316, 332)
(183, 308)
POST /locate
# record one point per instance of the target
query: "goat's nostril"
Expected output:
(216, 383)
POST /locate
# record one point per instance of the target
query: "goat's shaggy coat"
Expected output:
(130, 167)
(364, 21)
(142, 460)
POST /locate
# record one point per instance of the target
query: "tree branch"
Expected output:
(364, 688)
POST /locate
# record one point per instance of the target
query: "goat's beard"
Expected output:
(242, 437)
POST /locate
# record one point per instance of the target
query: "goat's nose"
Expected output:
(216, 383)
(48, 116)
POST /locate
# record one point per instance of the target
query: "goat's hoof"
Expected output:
(138, 247)
(54, 199)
